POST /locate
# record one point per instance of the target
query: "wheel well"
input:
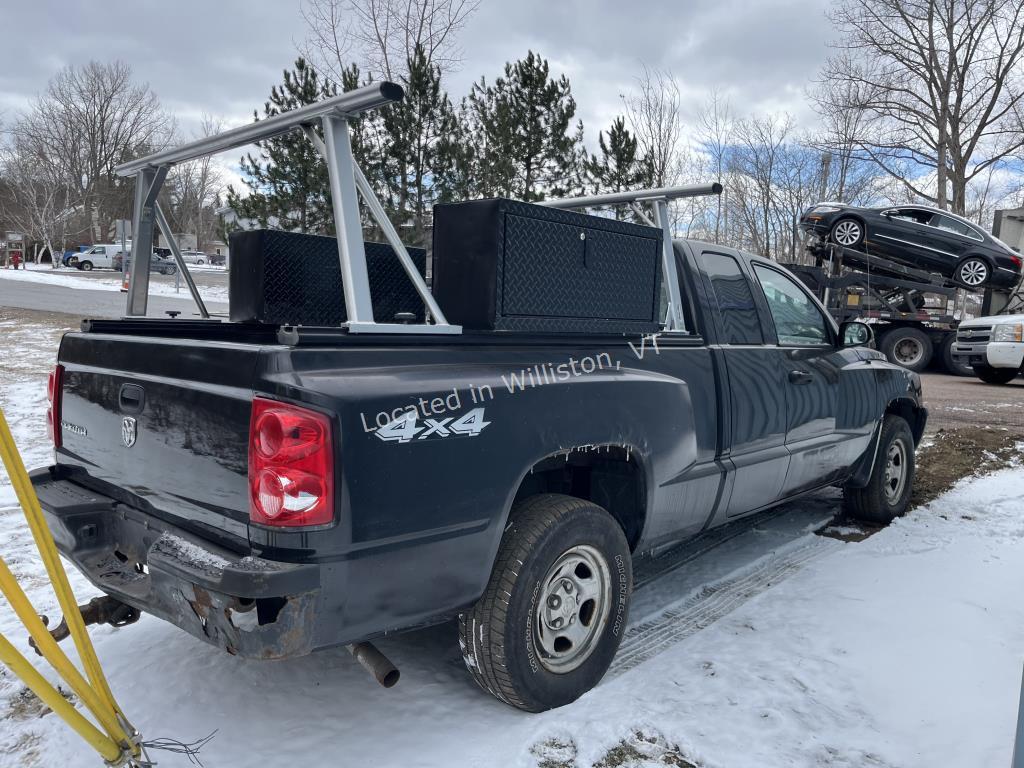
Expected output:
(607, 475)
(982, 256)
(911, 413)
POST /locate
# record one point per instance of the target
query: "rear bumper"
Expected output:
(246, 605)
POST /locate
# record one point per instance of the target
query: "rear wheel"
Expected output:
(553, 614)
(973, 272)
(848, 233)
(906, 346)
(991, 375)
(887, 494)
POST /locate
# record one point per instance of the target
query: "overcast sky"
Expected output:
(222, 56)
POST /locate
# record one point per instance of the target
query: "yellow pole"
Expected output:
(51, 560)
(54, 568)
(52, 698)
(54, 654)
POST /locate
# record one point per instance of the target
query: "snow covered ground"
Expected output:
(35, 273)
(760, 644)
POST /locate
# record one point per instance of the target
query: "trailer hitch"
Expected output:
(99, 610)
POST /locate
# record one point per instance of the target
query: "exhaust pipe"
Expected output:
(376, 663)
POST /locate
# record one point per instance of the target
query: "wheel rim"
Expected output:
(895, 471)
(574, 605)
(846, 232)
(973, 272)
(908, 351)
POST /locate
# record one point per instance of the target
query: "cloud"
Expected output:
(221, 58)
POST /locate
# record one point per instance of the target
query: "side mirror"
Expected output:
(888, 214)
(855, 334)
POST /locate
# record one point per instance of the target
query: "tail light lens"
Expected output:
(54, 395)
(1016, 260)
(291, 466)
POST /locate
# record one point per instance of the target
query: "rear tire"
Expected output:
(908, 347)
(887, 494)
(555, 609)
(991, 375)
(973, 272)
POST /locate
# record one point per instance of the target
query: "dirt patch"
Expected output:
(640, 750)
(25, 705)
(644, 749)
(954, 454)
(949, 456)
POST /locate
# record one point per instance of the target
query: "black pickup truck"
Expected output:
(275, 491)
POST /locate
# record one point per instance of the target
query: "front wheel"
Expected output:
(848, 233)
(973, 272)
(887, 494)
(991, 375)
(554, 612)
(85, 266)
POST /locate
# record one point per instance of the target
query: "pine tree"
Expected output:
(526, 147)
(414, 131)
(287, 178)
(620, 167)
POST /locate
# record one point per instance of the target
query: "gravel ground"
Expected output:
(958, 401)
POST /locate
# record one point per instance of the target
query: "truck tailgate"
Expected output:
(162, 424)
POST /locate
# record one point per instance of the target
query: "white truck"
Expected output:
(100, 256)
(993, 346)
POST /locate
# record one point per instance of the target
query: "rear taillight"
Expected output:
(291, 465)
(54, 396)
(1016, 260)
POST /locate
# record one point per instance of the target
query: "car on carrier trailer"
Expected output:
(275, 489)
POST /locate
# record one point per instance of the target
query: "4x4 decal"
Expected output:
(406, 428)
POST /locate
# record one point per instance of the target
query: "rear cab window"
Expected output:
(730, 289)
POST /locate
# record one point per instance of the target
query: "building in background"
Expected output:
(1009, 227)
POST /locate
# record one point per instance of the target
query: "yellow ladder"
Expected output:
(117, 742)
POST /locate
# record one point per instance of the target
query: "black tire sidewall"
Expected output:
(889, 339)
(959, 272)
(539, 688)
(832, 229)
(990, 375)
(893, 428)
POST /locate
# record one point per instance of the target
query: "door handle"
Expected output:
(801, 377)
(131, 398)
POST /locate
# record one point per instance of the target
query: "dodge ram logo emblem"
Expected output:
(129, 431)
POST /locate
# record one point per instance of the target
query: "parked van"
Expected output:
(98, 257)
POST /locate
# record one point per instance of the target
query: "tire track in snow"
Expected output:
(674, 624)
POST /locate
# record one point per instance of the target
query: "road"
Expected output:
(103, 303)
(955, 401)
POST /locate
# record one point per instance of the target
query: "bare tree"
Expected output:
(653, 114)
(36, 201)
(195, 187)
(940, 85)
(383, 34)
(88, 121)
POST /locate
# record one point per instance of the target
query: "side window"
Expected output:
(914, 215)
(952, 225)
(798, 321)
(736, 307)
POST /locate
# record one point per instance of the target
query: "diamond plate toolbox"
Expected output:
(289, 278)
(511, 266)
